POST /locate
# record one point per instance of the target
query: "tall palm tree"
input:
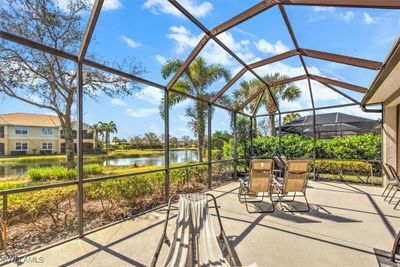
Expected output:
(95, 129)
(288, 92)
(194, 81)
(108, 128)
(245, 90)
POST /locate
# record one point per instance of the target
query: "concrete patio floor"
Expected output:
(347, 224)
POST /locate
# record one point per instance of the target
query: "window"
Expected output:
(47, 146)
(21, 146)
(21, 130)
(1, 131)
(47, 131)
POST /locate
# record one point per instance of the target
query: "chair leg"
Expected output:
(390, 201)
(259, 211)
(395, 206)
(305, 210)
(383, 193)
(390, 190)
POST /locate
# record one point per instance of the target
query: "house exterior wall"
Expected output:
(34, 139)
(390, 137)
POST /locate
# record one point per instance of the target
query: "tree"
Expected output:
(194, 81)
(245, 90)
(151, 139)
(219, 138)
(288, 92)
(108, 129)
(186, 141)
(48, 81)
(291, 117)
(174, 142)
(136, 141)
(95, 129)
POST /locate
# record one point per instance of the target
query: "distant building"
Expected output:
(25, 133)
(332, 125)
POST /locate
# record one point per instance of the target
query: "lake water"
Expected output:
(176, 156)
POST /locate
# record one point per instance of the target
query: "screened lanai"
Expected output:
(325, 68)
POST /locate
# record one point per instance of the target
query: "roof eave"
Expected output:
(389, 64)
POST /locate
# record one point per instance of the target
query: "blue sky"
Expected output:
(152, 31)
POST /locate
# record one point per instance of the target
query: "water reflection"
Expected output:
(177, 156)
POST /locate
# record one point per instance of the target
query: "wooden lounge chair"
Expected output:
(259, 182)
(294, 181)
(194, 242)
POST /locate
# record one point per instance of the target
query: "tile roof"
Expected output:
(29, 119)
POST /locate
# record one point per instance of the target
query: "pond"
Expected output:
(176, 156)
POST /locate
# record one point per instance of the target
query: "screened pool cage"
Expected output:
(212, 34)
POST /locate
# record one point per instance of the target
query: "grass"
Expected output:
(40, 176)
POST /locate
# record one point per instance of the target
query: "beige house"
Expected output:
(385, 90)
(25, 133)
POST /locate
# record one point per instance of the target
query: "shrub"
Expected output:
(93, 169)
(61, 173)
(366, 147)
(48, 174)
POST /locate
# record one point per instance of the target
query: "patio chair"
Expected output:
(280, 165)
(194, 242)
(259, 182)
(396, 185)
(393, 181)
(294, 181)
(284, 160)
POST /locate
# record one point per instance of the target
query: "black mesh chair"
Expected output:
(396, 184)
(392, 180)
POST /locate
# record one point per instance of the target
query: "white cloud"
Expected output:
(183, 38)
(161, 59)
(150, 94)
(131, 42)
(196, 8)
(111, 4)
(117, 102)
(347, 16)
(183, 118)
(368, 19)
(108, 4)
(212, 52)
(141, 112)
(323, 9)
(266, 47)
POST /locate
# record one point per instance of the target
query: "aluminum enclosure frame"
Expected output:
(209, 34)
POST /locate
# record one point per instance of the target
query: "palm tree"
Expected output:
(194, 81)
(108, 128)
(151, 139)
(95, 129)
(245, 90)
(288, 92)
(291, 117)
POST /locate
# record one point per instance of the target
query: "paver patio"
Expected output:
(347, 225)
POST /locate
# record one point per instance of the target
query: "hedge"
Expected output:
(362, 147)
